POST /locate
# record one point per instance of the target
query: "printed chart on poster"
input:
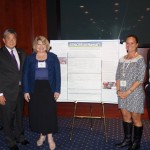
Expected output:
(88, 69)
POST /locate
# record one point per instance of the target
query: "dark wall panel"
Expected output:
(53, 19)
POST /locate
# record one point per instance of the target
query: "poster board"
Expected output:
(88, 69)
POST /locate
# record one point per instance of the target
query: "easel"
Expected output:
(76, 116)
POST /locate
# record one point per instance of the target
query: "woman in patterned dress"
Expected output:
(129, 78)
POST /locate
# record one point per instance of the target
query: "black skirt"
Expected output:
(42, 109)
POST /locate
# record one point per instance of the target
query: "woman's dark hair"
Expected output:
(134, 36)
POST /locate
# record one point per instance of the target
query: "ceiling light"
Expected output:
(116, 10)
(86, 12)
(116, 4)
(147, 9)
(91, 19)
(81, 6)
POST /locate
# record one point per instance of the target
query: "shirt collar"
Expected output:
(14, 49)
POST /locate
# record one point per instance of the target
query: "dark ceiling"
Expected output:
(105, 19)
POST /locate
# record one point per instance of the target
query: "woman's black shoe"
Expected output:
(127, 135)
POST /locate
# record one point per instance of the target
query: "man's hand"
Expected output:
(2, 100)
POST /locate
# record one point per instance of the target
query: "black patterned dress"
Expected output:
(131, 71)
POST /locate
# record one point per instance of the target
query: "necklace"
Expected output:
(125, 68)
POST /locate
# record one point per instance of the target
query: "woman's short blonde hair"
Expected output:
(43, 40)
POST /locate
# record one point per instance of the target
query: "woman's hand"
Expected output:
(123, 94)
(56, 95)
(27, 96)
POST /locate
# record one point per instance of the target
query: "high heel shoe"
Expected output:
(41, 140)
(51, 143)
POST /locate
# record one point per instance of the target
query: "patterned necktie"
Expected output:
(14, 58)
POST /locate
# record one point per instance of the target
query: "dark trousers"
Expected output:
(148, 105)
(0, 119)
(12, 114)
(148, 99)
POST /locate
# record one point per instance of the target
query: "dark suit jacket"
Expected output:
(54, 76)
(9, 74)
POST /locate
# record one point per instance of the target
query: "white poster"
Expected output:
(88, 69)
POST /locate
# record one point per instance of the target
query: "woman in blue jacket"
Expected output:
(41, 82)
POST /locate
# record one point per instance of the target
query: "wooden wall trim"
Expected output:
(111, 110)
(83, 109)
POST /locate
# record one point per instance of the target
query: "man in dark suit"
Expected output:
(11, 96)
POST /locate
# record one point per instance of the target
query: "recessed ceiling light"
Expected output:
(86, 12)
(147, 9)
(116, 10)
(81, 6)
(94, 22)
(139, 20)
(116, 4)
(91, 19)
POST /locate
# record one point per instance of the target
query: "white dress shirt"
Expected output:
(16, 55)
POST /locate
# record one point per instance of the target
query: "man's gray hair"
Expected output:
(9, 31)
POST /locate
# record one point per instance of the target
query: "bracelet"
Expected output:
(130, 90)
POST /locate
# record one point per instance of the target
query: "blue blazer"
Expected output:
(54, 75)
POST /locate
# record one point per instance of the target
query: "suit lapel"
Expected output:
(6, 52)
(7, 55)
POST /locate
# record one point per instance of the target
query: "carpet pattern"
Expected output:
(83, 137)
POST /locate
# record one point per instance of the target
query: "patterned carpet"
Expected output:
(83, 137)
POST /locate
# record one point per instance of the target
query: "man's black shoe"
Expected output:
(15, 147)
(1, 127)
